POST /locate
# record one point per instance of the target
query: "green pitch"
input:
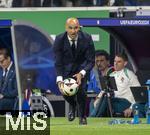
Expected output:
(96, 126)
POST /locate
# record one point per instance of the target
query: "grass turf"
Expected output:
(96, 126)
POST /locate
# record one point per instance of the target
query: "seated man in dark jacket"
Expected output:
(102, 68)
(8, 85)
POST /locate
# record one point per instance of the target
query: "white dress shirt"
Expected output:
(83, 72)
(8, 68)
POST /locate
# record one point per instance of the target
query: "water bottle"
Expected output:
(136, 115)
(118, 121)
(148, 115)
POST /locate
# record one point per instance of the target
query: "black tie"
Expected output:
(73, 47)
(4, 76)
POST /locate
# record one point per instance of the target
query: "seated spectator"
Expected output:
(47, 3)
(26, 3)
(102, 68)
(86, 3)
(5, 3)
(8, 85)
(123, 100)
(110, 2)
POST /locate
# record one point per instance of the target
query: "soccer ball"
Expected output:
(70, 87)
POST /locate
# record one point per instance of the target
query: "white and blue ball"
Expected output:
(70, 87)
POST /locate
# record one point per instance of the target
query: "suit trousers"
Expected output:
(79, 99)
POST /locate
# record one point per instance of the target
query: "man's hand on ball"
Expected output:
(61, 86)
(79, 77)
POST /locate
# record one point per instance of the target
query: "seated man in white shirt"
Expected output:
(125, 78)
(123, 99)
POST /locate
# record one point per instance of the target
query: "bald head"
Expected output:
(72, 21)
(72, 27)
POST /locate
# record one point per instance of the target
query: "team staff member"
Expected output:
(102, 69)
(125, 79)
(74, 55)
(123, 99)
(8, 85)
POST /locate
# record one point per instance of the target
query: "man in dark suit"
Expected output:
(74, 55)
(8, 85)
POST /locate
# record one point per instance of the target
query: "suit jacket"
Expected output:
(67, 65)
(9, 88)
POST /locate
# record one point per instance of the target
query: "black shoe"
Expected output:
(83, 121)
(71, 114)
